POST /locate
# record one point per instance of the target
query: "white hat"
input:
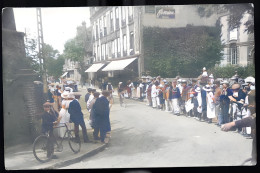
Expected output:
(204, 68)
(211, 76)
(179, 80)
(65, 94)
(120, 82)
(197, 90)
(183, 81)
(71, 95)
(224, 82)
(164, 80)
(69, 89)
(207, 88)
(250, 79)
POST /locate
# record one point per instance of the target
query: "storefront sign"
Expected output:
(165, 13)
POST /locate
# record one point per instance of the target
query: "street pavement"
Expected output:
(146, 137)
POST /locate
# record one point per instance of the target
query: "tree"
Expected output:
(181, 51)
(55, 66)
(53, 61)
(235, 11)
(32, 58)
(75, 49)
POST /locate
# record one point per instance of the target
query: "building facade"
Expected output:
(117, 32)
(238, 45)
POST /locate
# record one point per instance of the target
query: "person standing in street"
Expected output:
(87, 95)
(175, 96)
(203, 102)
(166, 94)
(210, 103)
(184, 96)
(93, 101)
(101, 117)
(217, 99)
(91, 96)
(226, 94)
(76, 116)
(154, 93)
(64, 116)
(197, 104)
(148, 93)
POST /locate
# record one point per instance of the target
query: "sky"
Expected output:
(59, 24)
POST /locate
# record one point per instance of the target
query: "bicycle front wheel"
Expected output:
(74, 143)
(40, 149)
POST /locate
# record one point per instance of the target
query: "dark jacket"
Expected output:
(47, 121)
(87, 97)
(101, 114)
(76, 116)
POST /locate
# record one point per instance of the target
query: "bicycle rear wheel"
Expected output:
(40, 149)
(74, 143)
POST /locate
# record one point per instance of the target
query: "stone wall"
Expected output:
(19, 95)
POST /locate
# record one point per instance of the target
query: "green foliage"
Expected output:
(235, 11)
(55, 67)
(75, 49)
(184, 51)
(32, 58)
(229, 70)
(53, 61)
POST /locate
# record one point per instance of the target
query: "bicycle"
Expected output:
(40, 144)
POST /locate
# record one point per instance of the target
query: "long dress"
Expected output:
(65, 116)
(210, 105)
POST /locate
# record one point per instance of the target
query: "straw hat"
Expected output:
(65, 94)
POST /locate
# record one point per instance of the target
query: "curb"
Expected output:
(77, 159)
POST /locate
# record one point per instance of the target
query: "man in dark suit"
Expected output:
(76, 116)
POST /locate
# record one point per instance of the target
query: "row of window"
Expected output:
(112, 49)
(109, 22)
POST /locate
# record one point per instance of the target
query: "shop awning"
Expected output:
(118, 65)
(64, 74)
(94, 67)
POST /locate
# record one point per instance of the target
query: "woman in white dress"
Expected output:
(64, 116)
(210, 104)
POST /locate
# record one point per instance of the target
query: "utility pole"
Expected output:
(41, 55)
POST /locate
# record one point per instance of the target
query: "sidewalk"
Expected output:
(21, 157)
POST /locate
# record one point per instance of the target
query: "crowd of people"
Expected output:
(203, 98)
(63, 107)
